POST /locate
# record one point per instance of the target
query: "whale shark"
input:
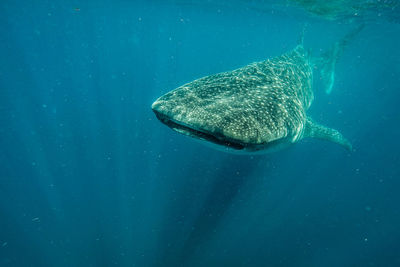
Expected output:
(259, 108)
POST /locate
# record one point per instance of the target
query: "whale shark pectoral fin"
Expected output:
(316, 130)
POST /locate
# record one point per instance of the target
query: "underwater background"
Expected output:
(90, 177)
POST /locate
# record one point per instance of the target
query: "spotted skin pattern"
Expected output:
(257, 107)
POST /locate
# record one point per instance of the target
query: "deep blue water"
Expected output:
(89, 176)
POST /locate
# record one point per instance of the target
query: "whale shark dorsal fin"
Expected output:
(316, 130)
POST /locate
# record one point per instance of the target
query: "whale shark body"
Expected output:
(258, 108)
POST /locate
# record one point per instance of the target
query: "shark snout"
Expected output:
(166, 109)
(169, 112)
(156, 106)
(174, 113)
(198, 123)
(162, 112)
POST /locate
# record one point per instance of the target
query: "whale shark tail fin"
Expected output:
(327, 61)
(316, 130)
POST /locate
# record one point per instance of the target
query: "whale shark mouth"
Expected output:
(198, 133)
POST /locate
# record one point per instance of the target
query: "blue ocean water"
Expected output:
(90, 177)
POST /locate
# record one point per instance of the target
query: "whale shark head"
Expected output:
(236, 113)
(198, 118)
